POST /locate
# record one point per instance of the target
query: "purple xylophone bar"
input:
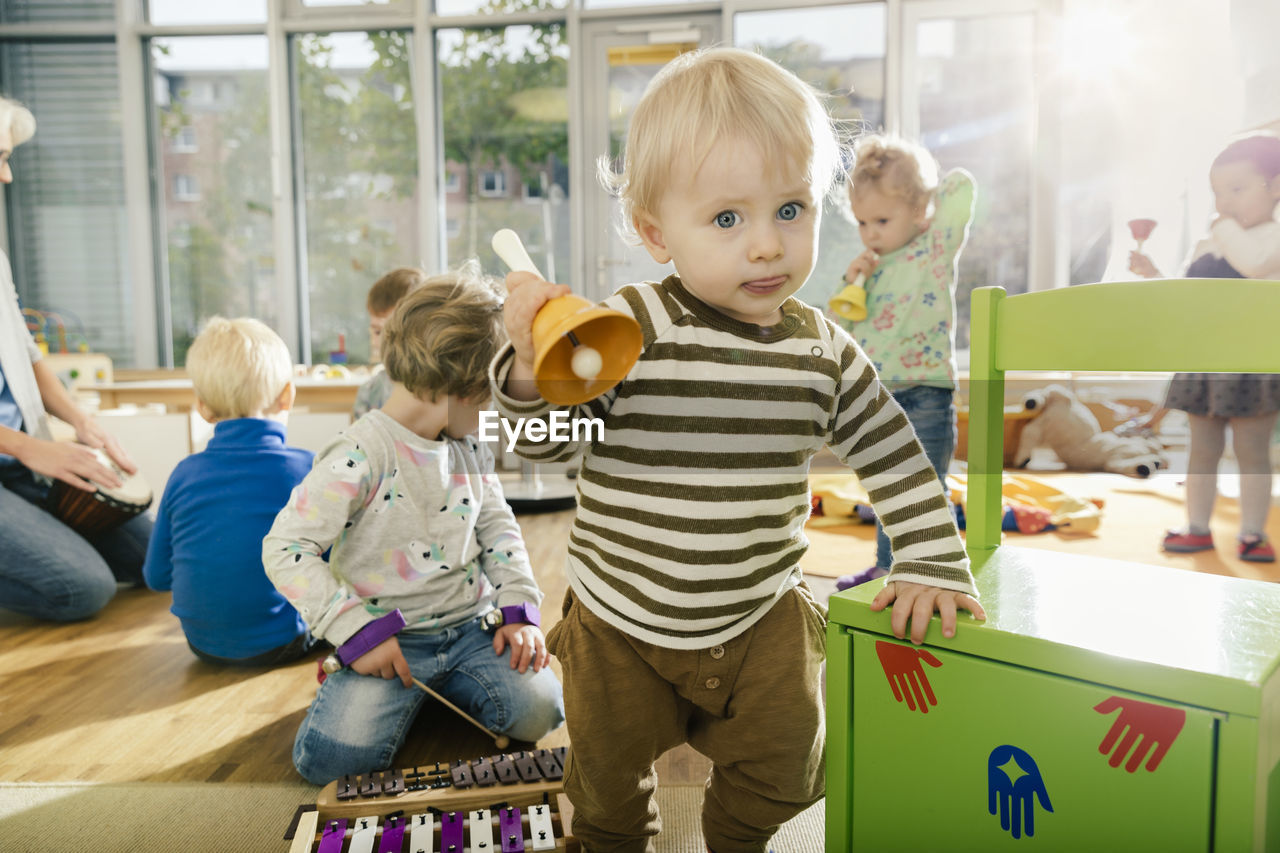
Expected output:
(332, 836)
(392, 834)
(510, 830)
(451, 832)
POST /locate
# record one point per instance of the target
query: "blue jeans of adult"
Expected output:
(357, 723)
(932, 414)
(48, 570)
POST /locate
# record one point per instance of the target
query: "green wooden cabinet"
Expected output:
(1102, 706)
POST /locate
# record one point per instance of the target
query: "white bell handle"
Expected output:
(508, 246)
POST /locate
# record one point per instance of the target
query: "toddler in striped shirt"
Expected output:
(687, 618)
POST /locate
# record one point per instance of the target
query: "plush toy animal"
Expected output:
(1066, 426)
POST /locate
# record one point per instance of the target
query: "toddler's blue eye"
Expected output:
(789, 211)
(726, 219)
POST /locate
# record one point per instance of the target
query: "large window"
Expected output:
(359, 177)
(67, 225)
(974, 87)
(504, 115)
(262, 157)
(210, 115)
(839, 50)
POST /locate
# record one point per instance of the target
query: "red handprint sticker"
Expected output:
(1148, 727)
(906, 676)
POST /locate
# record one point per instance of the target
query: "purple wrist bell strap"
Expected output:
(365, 640)
(522, 612)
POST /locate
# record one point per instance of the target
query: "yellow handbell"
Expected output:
(851, 302)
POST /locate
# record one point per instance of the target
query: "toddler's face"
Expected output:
(885, 222)
(742, 234)
(376, 324)
(1242, 193)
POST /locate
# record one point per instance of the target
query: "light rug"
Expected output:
(239, 818)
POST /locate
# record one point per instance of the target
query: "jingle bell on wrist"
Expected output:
(364, 641)
(522, 612)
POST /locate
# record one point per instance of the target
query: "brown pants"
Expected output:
(753, 706)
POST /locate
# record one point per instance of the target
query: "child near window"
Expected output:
(913, 227)
(383, 297)
(407, 504)
(1243, 242)
(220, 502)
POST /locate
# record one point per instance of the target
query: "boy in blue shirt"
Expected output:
(219, 503)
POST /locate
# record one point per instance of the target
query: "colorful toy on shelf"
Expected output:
(48, 327)
(339, 356)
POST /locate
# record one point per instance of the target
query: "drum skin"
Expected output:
(92, 513)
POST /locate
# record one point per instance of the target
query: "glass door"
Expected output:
(621, 57)
(970, 96)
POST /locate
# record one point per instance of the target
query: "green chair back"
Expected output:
(1195, 325)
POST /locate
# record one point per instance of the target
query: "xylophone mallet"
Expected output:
(501, 741)
(377, 632)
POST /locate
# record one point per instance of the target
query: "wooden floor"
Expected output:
(121, 698)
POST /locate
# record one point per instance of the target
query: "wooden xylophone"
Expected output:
(507, 803)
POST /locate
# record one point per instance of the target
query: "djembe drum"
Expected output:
(92, 513)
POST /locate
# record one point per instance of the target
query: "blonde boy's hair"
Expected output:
(387, 291)
(238, 367)
(18, 119)
(443, 335)
(700, 99)
(896, 168)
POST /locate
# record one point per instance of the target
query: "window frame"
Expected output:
(499, 189)
(131, 31)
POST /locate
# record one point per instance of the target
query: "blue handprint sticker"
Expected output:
(1014, 780)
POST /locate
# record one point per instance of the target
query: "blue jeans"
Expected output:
(358, 722)
(932, 413)
(49, 571)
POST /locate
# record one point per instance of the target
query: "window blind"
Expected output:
(65, 207)
(55, 11)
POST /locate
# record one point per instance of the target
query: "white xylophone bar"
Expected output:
(422, 833)
(305, 834)
(541, 833)
(363, 836)
(480, 831)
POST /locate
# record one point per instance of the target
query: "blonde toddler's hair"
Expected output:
(444, 333)
(897, 168)
(238, 367)
(19, 120)
(702, 98)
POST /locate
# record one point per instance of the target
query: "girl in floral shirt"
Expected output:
(913, 227)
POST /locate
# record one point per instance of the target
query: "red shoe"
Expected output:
(1186, 542)
(1256, 549)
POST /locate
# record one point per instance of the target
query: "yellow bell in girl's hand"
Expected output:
(851, 302)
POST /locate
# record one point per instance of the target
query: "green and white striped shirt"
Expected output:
(691, 509)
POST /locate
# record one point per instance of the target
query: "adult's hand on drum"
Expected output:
(71, 463)
(91, 433)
